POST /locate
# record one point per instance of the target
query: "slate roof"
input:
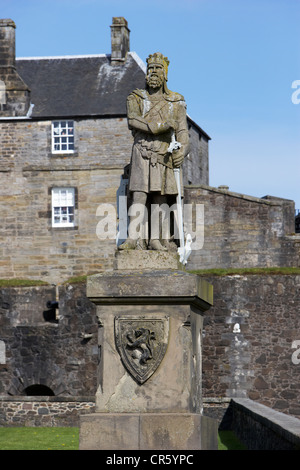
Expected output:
(79, 86)
(73, 86)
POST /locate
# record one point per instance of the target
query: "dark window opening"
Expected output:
(50, 315)
(39, 390)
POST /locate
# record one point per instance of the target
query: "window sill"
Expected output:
(59, 229)
(63, 155)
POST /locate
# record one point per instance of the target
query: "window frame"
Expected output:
(61, 136)
(60, 205)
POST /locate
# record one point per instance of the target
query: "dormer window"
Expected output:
(63, 137)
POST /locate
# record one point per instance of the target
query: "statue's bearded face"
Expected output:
(155, 76)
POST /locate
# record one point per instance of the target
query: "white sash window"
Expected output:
(63, 137)
(63, 207)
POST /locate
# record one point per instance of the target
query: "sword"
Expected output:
(181, 249)
(174, 145)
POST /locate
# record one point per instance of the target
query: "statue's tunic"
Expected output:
(151, 166)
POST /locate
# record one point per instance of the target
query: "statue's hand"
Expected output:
(177, 158)
(171, 124)
(161, 127)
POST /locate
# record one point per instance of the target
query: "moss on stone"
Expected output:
(247, 271)
(76, 279)
(22, 282)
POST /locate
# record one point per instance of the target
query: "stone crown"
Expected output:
(158, 58)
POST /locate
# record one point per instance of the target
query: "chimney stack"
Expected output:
(120, 45)
(15, 95)
(7, 43)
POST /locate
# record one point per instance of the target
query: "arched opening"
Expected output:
(38, 390)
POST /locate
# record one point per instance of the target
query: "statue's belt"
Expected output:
(155, 158)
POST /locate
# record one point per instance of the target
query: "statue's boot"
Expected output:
(169, 245)
(129, 244)
(156, 245)
(141, 244)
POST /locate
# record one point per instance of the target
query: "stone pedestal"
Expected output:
(148, 431)
(150, 333)
(146, 260)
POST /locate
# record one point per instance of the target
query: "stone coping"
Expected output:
(216, 400)
(53, 399)
(161, 286)
(286, 426)
(25, 398)
(268, 200)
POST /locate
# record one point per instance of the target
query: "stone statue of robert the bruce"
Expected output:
(155, 116)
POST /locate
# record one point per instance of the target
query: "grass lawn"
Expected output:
(247, 271)
(39, 438)
(227, 440)
(68, 439)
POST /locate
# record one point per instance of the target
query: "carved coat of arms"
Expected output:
(141, 343)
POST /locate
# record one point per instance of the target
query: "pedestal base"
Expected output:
(147, 431)
(132, 260)
(149, 394)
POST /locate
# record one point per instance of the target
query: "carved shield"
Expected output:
(141, 342)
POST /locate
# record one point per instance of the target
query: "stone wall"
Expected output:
(261, 428)
(243, 231)
(248, 338)
(251, 346)
(29, 246)
(58, 350)
(43, 411)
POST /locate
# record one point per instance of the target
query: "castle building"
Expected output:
(65, 149)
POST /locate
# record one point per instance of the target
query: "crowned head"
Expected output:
(160, 60)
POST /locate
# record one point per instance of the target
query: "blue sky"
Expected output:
(233, 60)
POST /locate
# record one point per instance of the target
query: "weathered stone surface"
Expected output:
(44, 411)
(243, 231)
(131, 260)
(158, 121)
(15, 97)
(178, 431)
(28, 171)
(119, 40)
(44, 349)
(139, 300)
(231, 361)
(261, 360)
(109, 431)
(170, 388)
(147, 431)
(141, 342)
(168, 286)
(262, 428)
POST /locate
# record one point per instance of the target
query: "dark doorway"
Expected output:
(38, 390)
